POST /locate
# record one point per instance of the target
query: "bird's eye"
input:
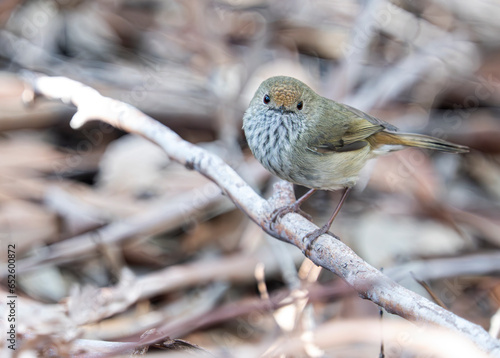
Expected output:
(300, 105)
(267, 99)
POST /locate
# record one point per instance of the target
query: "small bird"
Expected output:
(318, 143)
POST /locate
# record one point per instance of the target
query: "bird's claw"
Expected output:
(310, 238)
(292, 208)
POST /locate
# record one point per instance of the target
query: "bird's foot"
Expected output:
(292, 208)
(310, 238)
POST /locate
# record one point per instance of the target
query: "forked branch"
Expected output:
(327, 252)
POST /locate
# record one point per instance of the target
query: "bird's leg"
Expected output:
(293, 208)
(312, 236)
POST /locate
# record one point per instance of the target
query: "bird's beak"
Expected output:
(282, 109)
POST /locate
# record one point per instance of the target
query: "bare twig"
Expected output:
(150, 222)
(235, 268)
(477, 264)
(327, 252)
(400, 336)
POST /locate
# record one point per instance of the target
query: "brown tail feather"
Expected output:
(418, 140)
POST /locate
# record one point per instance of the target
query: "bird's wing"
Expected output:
(345, 129)
(371, 119)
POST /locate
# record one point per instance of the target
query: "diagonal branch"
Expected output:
(327, 252)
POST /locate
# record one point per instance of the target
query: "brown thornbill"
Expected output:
(313, 141)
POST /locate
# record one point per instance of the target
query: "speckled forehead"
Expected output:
(285, 93)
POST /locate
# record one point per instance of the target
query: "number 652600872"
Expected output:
(11, 267)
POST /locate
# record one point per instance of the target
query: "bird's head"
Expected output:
(283, 94)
